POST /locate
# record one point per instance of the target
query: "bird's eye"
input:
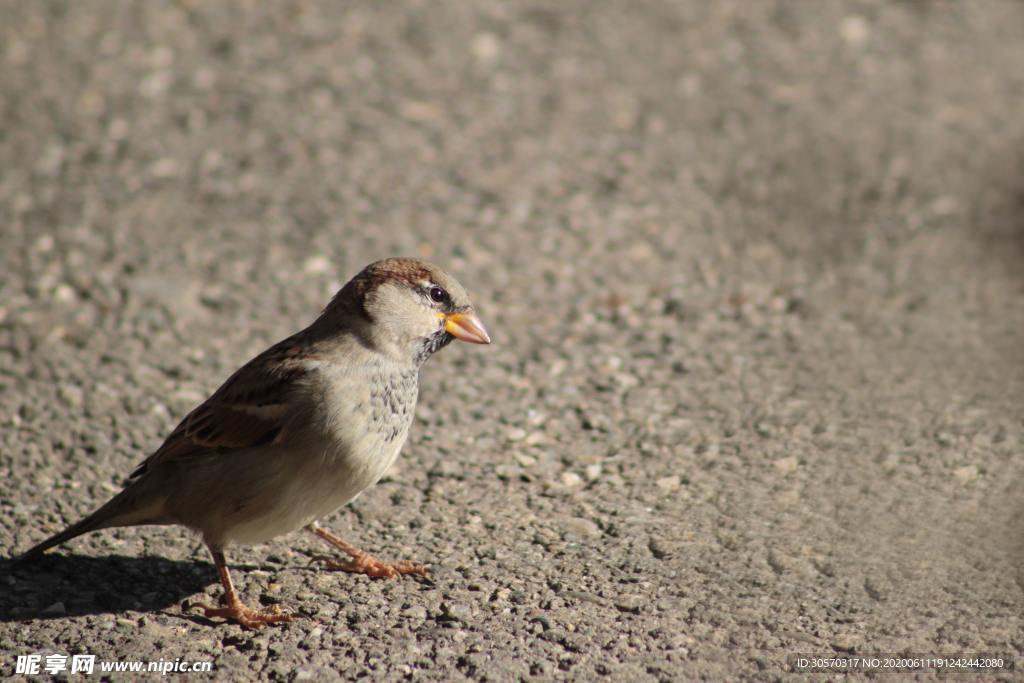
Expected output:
(438, 294)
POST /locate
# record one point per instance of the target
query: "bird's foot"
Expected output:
(374, 568)
(249, 618)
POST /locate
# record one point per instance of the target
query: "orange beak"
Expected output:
(466, 327)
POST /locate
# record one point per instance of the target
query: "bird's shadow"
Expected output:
(55, 586)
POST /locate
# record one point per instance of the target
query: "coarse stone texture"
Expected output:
(754, 273)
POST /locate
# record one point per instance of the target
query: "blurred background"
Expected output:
(754, 273)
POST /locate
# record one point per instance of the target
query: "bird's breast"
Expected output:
(367, 417)
(392, 402)
(339, 444)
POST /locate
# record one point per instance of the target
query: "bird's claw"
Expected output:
(372, 567)
(246, 616)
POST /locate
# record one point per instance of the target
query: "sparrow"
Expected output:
(301, 429)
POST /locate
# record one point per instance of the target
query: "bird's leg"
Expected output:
(236, 609)
(363, 562)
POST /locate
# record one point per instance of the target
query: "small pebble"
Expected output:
(854, 30)
(658, 548)
(629, 603)
(508, 472)
(669, 484)
(581, 527)
(516, 434)
(415, 612)
(571, 479)
(535, 438)
(788, 464)
(486, 47)
(316, 265)
(458, 611)
(583, 596)
(71, 395)
(966, 473)
(64, 294)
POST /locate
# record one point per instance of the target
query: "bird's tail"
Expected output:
(124, 509)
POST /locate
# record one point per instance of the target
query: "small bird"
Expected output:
(301, 429)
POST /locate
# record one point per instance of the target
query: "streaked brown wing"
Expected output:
(248, 410)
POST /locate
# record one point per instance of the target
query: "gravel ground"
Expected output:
(754, 271)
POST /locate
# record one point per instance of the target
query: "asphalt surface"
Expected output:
(754, 272)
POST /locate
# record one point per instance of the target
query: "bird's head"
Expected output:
(408, 308)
